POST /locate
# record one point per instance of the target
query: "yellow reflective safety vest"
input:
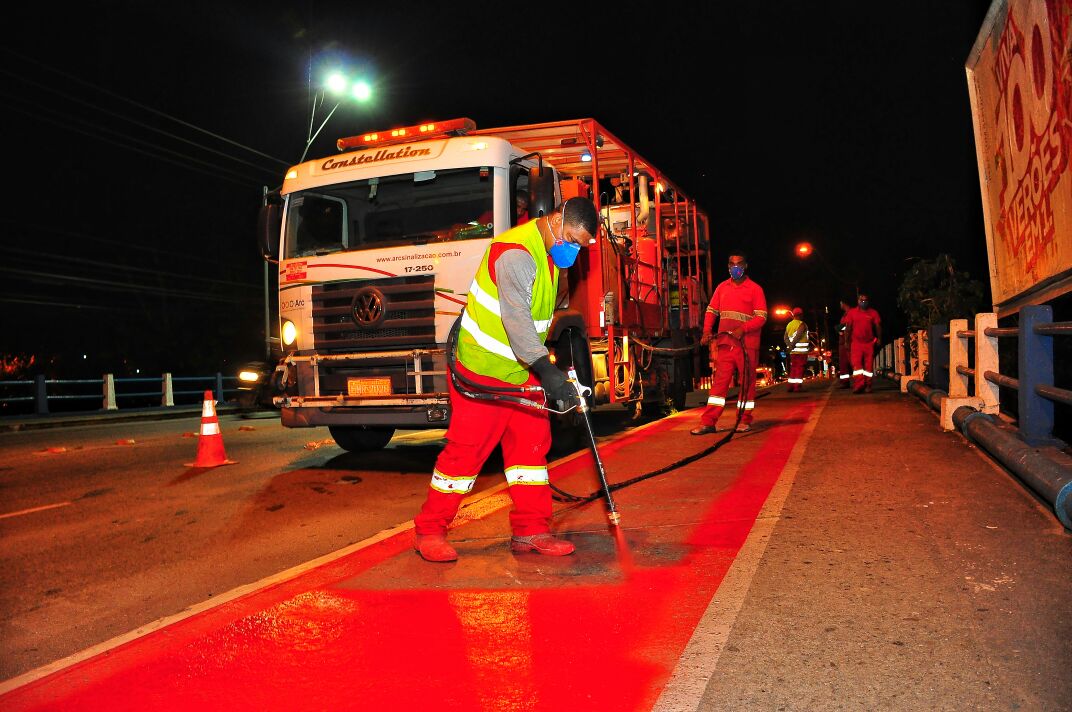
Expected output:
(802, 346)
(483, 346)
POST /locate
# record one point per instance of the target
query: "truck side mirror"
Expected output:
(541, 192)
(269, 225)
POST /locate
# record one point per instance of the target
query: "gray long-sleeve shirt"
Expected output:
(515, 273)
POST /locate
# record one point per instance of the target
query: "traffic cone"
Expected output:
(210, 445)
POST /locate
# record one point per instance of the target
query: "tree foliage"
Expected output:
(933, 292)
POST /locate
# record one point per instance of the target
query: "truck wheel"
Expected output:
(359, 438)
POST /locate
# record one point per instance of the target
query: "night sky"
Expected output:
(139, 136)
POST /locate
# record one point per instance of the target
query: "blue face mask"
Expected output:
(564, 254)
(736, 272)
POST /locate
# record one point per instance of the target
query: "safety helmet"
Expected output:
(797, 311)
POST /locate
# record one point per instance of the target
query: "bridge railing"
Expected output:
(36, 395)
(956, 370)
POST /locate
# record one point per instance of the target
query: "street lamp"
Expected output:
(340, 86)
(805, 250)
(781, 312)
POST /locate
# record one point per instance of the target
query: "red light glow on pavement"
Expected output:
(347, 635)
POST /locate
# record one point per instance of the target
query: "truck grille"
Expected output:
(374, 314)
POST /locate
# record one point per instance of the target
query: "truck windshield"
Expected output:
(407, 209)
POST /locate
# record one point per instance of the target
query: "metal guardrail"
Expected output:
(971, 392)
(110, 395)
(911, 358)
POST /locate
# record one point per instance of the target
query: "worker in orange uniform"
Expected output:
(865, 332)
(740, 308)
(501, 346)
(844, 360)
(796, 342)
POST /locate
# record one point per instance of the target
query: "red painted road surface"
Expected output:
(379, 629)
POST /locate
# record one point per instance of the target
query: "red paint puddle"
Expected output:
(308, 644)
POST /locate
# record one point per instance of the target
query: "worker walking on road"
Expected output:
(740, 308)
(865, 332)
(796, 342)
(501, 345)
(844, 358)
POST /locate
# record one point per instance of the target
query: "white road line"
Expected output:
(34, 509)
(698, 661)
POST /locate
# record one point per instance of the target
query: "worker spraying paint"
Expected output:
(500, 350)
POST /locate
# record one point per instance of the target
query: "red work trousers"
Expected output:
(729, 359)
(863, 355)
(476, 427)
(797, 362)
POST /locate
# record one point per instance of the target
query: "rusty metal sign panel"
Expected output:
(1020, 83)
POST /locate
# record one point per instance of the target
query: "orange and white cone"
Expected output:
(210, 445)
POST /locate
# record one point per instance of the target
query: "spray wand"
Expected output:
(582, 391)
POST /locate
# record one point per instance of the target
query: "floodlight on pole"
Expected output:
(361, 91)
(336, 83)
(340, 86)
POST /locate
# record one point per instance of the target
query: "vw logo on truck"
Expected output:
(368, 308)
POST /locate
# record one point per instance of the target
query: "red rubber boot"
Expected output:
(434, 547)
(547, 544)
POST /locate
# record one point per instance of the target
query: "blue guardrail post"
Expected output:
(1036, 367)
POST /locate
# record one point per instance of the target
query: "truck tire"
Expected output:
(360, 438)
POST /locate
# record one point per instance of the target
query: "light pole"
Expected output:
(341, 87)
(805, 250)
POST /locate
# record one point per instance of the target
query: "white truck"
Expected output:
(376, 249)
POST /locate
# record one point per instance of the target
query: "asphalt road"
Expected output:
(103, 528)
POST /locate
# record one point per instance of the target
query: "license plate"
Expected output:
(379, 386)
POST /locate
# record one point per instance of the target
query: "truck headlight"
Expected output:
(249, 376)
(289, 332)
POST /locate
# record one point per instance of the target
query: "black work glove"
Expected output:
(554, 382)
